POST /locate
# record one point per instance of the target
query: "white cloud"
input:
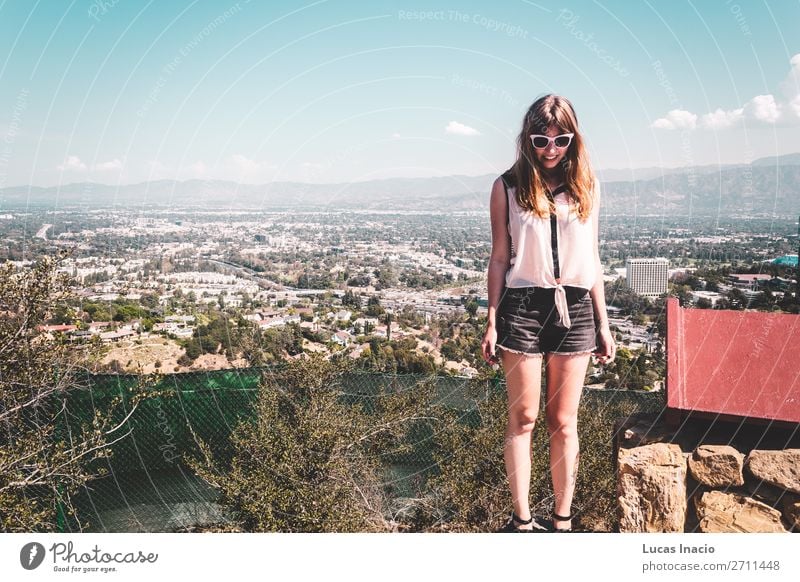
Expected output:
(763, 108)
(460, 129)
(790, 86)
(72, 164)
(676, 119)
(790, 90)
(767, 109)
(115, 164)
(662, 123)
(396, 135)
(794, 106)
(721, 119)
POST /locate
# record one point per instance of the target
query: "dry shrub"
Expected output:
(309, 461)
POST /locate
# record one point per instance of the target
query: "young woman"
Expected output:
(546, 298)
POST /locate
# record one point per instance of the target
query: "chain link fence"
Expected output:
(148, 488)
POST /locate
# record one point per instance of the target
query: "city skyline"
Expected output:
(325, 92)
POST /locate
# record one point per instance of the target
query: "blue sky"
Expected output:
(121, 91)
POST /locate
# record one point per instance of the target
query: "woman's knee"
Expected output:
(522, 420)
(562, 425)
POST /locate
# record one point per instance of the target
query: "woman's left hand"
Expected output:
(607, 347)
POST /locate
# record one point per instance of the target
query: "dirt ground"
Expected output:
(139, 356)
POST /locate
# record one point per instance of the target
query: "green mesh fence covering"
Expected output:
(150, 489)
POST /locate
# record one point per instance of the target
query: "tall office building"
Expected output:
(647, 277)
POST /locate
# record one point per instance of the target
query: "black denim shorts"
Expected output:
(527, 322)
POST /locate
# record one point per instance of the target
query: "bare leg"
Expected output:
(565, 375)
(524, 385)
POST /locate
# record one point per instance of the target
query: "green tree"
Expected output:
(386, 276)
(193, 350)
(374, 308)
(40, 468)
(736, 299)
(149, 301)
(704, 303)
(62, 315)
(127, 311)
(351, 299)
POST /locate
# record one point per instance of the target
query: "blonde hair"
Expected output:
(525, 174)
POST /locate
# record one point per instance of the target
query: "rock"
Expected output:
(760, 490)
(781, 468)
(644, 434)
(651, 488)
(640, 429)
(791, 511)
(645, 428)
(719, 512)
(717, 465)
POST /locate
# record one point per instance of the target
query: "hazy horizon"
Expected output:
(598, 170)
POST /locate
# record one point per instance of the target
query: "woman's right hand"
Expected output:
(488, 349)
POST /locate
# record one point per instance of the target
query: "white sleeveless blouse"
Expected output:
(531, 253)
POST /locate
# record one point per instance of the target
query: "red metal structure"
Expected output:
(733, 363)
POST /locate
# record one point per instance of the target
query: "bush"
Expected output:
(596, 487)
(471, 493)
(309, 462)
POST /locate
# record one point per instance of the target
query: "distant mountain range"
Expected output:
(614, 175)
(766, 186)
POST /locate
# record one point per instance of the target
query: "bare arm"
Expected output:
(598, 291)
(607, 349)
(501, 248)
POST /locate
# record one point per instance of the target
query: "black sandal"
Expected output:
(556, 518)
(511, 526)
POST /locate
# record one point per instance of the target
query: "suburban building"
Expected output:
(647, 277)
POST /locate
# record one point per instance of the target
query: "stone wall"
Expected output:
(703, 476)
